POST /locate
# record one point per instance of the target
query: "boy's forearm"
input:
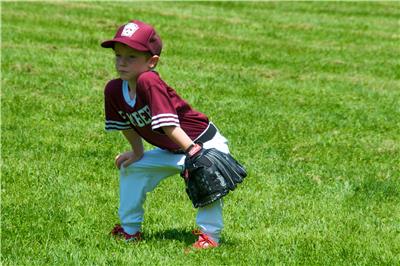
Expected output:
(135, 140)
(178, 136)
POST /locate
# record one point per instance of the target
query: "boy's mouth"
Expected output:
(122, 72)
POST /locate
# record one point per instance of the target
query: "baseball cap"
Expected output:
(137, 35)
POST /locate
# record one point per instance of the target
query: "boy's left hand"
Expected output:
(127, 158)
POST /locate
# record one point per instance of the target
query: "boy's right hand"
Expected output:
(126, 158)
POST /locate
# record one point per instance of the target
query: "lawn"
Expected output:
(308, 94)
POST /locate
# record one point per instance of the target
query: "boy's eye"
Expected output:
(130, 58)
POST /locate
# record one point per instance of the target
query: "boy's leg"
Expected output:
(140, 178)
(144, 175)
(209, 218)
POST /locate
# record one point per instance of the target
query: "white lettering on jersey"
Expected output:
(140, 118)
(131, 119)
(145, 114)
(122, 114)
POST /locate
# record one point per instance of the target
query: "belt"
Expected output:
(207, 135)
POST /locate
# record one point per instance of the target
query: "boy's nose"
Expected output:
(121, 61)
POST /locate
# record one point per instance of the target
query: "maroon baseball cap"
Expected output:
(137, 35)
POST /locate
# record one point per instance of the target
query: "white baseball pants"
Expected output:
(144, 175)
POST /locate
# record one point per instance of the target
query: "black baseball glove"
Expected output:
(210, 174)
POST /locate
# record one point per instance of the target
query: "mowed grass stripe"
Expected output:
(292, 48)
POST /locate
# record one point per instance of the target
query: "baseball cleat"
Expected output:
(204, 241)
(118, 231)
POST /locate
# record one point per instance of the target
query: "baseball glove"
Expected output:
(210, 174)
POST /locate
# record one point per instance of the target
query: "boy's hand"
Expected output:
(126, 158)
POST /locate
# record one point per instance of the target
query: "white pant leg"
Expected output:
(209, 218)
(140, 178)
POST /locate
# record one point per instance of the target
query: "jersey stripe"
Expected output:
(116, 128)
(117, 122)
(163, 115)
(165, 124)
(117, 125)
(113, 127)
(161, 120)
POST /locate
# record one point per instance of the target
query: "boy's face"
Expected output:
(130, 63)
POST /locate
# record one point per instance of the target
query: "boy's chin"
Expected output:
(124, 77)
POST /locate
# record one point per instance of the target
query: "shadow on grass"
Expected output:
(182, 235)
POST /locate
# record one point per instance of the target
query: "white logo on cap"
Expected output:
(129, 29)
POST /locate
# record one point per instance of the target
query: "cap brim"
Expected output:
(134, 45)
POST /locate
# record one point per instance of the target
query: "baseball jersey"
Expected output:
(155, 105)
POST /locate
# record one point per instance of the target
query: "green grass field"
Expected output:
(307, 93)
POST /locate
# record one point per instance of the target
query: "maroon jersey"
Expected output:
(156, 105)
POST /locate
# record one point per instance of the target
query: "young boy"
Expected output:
(143, 106)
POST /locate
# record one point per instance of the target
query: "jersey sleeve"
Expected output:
(163, 111)
(113, 120)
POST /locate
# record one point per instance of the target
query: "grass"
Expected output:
(307, 93)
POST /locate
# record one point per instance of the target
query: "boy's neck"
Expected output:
(132, 88)
(132, 85)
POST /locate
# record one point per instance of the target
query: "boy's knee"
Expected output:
(134, 168)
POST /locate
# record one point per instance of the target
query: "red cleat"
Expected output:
(204, 241)
(118, 231)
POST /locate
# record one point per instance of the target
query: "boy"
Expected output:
(143, 106)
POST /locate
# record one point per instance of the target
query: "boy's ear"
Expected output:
(153, 61)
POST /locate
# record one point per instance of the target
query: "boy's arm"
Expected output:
(135, 140)
(137, 149)
(178, 136)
